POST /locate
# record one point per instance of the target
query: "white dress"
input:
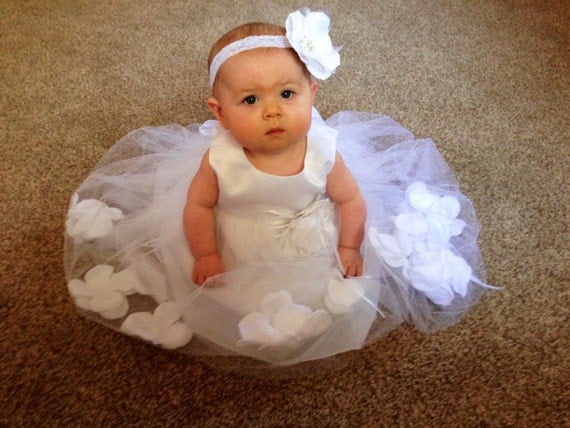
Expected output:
(282, 299)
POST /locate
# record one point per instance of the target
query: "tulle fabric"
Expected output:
(385, 159)
(146, 176)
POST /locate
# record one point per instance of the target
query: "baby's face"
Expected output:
(265, 97)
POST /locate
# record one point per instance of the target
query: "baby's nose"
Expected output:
(272, 110)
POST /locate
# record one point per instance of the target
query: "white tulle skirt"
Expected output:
(128, 264)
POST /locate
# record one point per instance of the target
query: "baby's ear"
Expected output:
(216, 109)
(313, 88)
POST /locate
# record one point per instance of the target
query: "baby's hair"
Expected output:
(246, 30)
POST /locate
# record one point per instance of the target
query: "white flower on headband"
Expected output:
(308, 34)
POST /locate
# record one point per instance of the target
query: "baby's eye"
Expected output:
(251, 99)
(286, 94)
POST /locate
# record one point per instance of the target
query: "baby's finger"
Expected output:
(198, 278)
(359, 270)
(349, 271)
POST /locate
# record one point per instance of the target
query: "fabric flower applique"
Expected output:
(311, 231)
(104, 291)
(439, 274)
(162, 327)
(439, 213)
(342, 294)
(308, 34)
(420, 245)
(281, 322)
(90, 219)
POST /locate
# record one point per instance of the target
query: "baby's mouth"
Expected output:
(275, 131)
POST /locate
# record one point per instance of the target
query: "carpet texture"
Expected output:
(488, 81)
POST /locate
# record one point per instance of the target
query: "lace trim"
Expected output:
(241, 45)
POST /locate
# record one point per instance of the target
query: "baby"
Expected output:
(263, 97)
(272, 211)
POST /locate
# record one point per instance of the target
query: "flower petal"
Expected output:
(78, 288)
(419, 197)
(317, 24)
(125, 281)
(308, 34)
(142, 325)
(80, 224)
(290, 318)
(388, 248)
(115, 214)
(99, 276)
(167, 313)
(106, 300)
(256, 329)
(411, 223)
(76, 226)
(438, 231)
(440, 295)
(176, 336)
(116, 313)
(317, 323)
(451, 206)
(100, 226)
(91, 219)
(430, 268)
(82, 214)
(405, 242)
(461, 274)
(271, 302)
(456, 227)
(342, 295)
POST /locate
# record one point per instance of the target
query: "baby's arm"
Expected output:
(343, 190)
(199, 223)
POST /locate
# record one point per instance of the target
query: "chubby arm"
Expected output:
(199, 223)
(343, 190)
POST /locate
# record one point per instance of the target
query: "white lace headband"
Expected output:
(246, 44)
(306, 32)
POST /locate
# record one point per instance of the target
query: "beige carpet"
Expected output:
(487, 80)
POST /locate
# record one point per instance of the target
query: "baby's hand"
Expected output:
(351, 261)
(206, 267)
